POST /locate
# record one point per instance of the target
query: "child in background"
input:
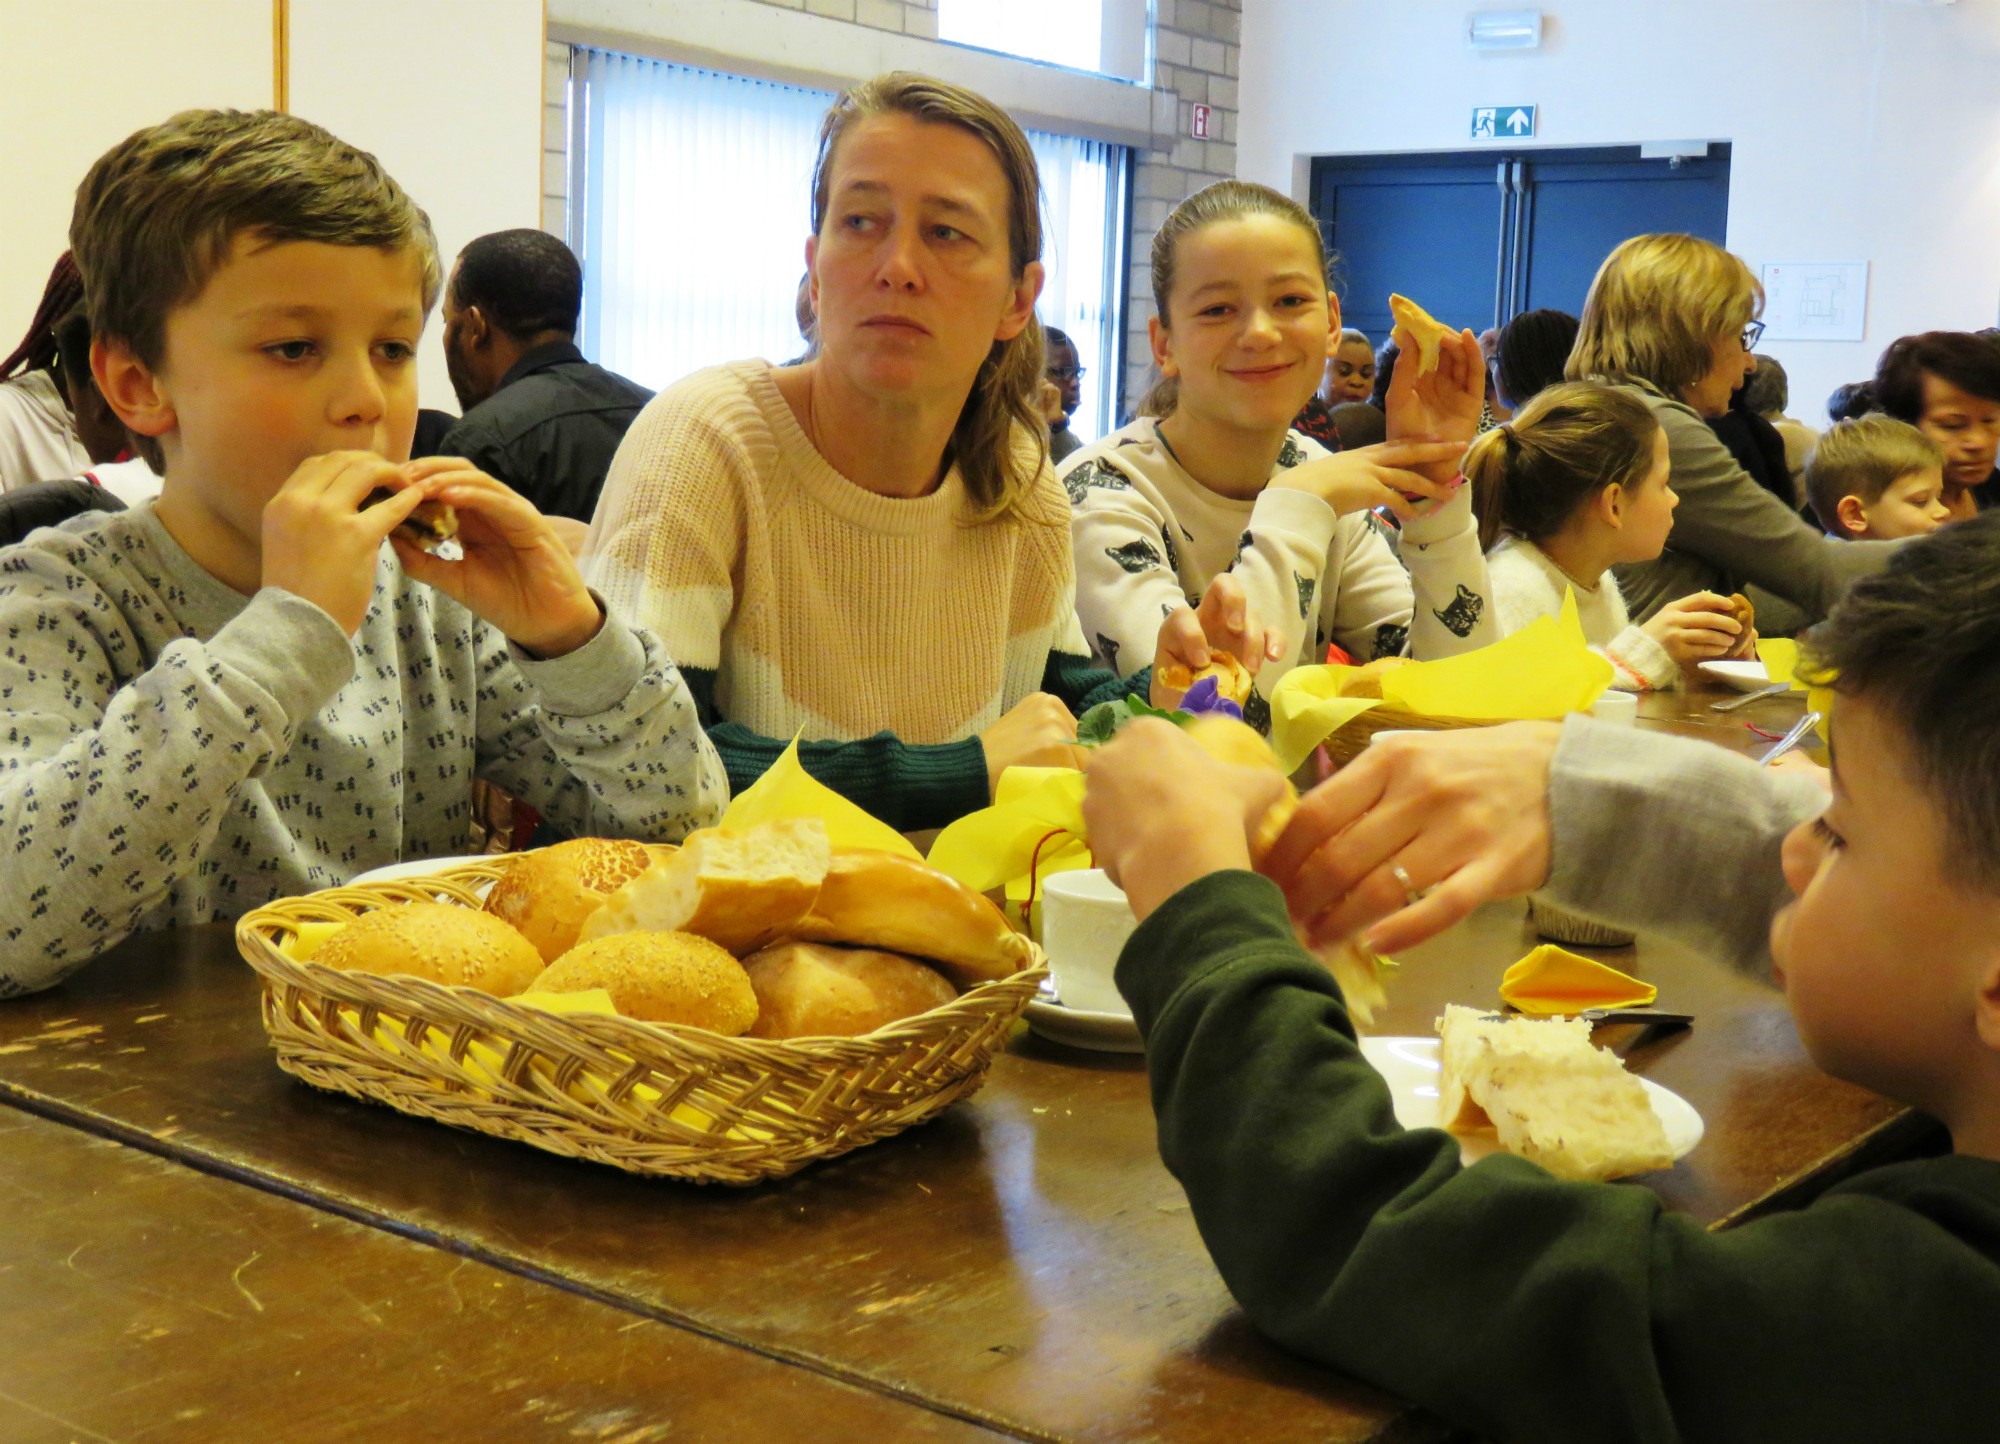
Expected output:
(236, 692)
(1350, 371)
(1575, 483)
(1517, 1306)
(1877, 479)
(1220, 484)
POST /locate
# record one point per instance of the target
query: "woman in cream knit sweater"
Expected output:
(869, 551)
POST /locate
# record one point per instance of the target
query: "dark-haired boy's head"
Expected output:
(1890, 957)
(1850, 401)
(509, 292)
(1947, 384)
(160, 212)
(1877, 479)
(1530, 353)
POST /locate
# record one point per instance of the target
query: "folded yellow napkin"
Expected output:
(1033, 828)
(787, 790)
(1553, 980)
(1542, 671)
(1780, 656)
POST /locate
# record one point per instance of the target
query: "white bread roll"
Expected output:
(885, 900)
(815, 990)
(741, 890)
(439, 941)
(546, 895)
(661, 978)
(1550, 1094)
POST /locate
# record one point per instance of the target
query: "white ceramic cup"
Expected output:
(1085, 922)
(1621, 709)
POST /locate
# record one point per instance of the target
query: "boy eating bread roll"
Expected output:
(1511, 1303)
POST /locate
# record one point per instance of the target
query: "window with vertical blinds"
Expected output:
(689, 208)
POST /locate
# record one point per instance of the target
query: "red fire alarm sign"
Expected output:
(1198, 127)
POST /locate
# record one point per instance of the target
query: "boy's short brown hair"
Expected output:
(158, 212)
(1864, 458)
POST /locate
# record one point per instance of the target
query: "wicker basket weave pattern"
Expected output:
(650, 1098)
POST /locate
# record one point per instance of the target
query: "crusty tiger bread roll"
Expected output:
(1550, 1094)
(661, 978)
(1366, 681)
(885, 900)
(739, 889)
(1358, 971)
(816, 990)
(547, 894)
(439, 941)
(1232, 679)
(1420, 329)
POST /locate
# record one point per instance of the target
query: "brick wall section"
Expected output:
(1195, 62)
(555, 138)
(1195, 50)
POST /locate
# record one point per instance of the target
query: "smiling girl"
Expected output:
(1217, 483)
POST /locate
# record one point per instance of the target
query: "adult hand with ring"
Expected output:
(1415, 833)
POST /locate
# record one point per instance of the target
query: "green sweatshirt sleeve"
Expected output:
(1507, 1301)
(908, 785)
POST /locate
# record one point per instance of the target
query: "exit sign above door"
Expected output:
(1503, 122)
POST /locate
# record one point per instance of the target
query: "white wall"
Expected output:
(448, 95)
(76, 78)
(1863, 130)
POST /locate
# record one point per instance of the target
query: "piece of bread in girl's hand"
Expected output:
(885, 900)
(1551, 1095)
(1354, 968)
(739, 889)
(1232, 679)
(1420, 329)
(817, 990)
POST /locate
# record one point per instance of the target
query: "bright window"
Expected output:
(1107, 36)
(689, 206)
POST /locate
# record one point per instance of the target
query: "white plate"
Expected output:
(1410, 1067)
(1101, 1032)
(421, 867)
(1743, 676)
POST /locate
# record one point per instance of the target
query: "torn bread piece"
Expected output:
(1232, 679)
(428, 528)
(1550, 1095)
(739, 889)
(1420, 329)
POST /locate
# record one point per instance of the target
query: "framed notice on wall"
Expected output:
(1815, 300)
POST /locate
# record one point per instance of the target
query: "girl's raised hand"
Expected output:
(1401, 475)
(516, 572)
(1698, 628)
(1444, 404)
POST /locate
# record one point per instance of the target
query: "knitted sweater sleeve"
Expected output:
(111, 796)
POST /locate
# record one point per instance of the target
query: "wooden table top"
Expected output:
(126, 1279)
(1022, 1267)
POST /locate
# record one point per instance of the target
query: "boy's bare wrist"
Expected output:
(566, 640)
(1151, 879)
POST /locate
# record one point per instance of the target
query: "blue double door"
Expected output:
(1478, 238)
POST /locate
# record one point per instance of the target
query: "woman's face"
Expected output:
(1350, 374)
(1966, 426)
(1729, 363)
(912, 280)
(1252, 323)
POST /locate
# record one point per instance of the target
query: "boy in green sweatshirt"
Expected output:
(1527, 1308)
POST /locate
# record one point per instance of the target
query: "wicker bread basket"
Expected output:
(1351, 740)
(650, 1098)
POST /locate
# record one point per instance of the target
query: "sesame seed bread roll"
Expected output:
(660, 978)
(547, 895)
(816, 990)
(742, 890)
(884, 900)
(441, 942)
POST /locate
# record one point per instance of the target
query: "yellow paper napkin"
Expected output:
(1780, 656)
(1033, 828)
(1552, 980)
(787, 790)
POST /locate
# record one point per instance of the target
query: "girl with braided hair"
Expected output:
(38, 438)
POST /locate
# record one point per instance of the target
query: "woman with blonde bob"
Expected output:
(868, 551)
(1673, 317)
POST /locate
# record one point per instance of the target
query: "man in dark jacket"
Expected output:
(537, 415)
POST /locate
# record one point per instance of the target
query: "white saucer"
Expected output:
(421, 867)
(1743, 676)
(1101, 1032)
(1410, 1067)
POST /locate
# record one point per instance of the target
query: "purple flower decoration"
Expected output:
(1205, 697)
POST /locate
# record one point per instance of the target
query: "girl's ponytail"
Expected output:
(1560, 450)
